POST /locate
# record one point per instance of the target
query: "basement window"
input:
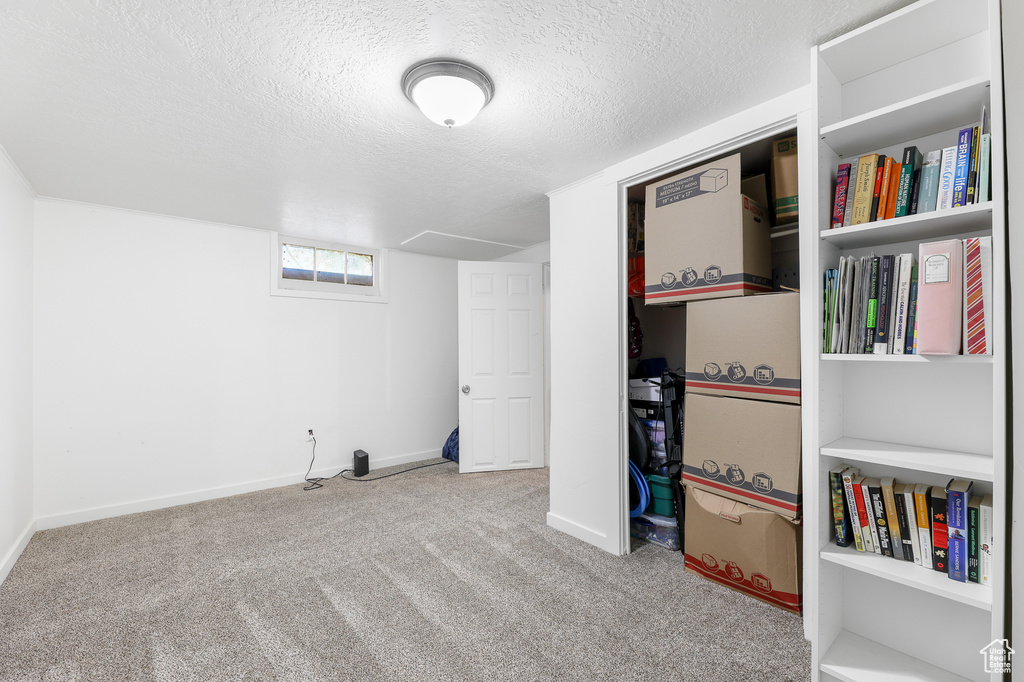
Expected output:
(314, 269)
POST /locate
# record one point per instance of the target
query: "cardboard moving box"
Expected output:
(746, 450)
(745, 347)
(704, 239)
(785, 190)
(749, 550)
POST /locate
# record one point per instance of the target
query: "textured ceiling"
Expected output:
(289, 115)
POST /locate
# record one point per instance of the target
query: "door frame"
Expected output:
(801, 122)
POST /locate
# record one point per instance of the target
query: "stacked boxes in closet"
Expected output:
(741, 454)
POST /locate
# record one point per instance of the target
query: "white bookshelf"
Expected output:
(914, 77)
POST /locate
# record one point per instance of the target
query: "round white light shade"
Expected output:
(448, 92)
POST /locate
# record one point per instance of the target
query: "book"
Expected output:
(862, 515)
(958, 494)
(829, 292)
(924, 526)
(940, 297)
(880, 345)
(851, 194)
(984, 168)
(876, 195)
(850, 288)
(891, 513)
(972, 175)
(851, 501)
(907, 491)
(902, 516)
(894, 185)
(883, 195)
(841, 305)
(871, 317)
(985, 538)
(841, 301)
(901, 308)
(973, 545)
(861, 315)
(864, 192)
(893, 293)
(940, 533)
(911, 346)
(840, 510)
(881, 522)
(911, 162)
(977, 296)
(856, 321)
(839, 203)
(963, 166)
(869, 512)
(915, 193)
(930, 168)
(947, 172)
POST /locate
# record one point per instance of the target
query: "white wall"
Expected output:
(166, 373)
(585, 363)
(16, 206)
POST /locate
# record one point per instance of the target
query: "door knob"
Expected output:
(465, 389)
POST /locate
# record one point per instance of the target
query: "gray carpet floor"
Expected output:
(429, 575)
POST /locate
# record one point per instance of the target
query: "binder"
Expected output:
(940, 297)
(978, 296)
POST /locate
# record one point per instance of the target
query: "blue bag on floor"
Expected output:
(451, 446)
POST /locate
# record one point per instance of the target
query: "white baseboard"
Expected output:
(12, 556)
(150, 504)
(599, 540)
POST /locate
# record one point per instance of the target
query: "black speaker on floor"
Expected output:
(360, 463)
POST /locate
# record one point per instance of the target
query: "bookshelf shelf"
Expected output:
(857, 54)
(923, 226)
(910, 575)
(853, 658)
(868, 357)
(955, 464)
(932, 112)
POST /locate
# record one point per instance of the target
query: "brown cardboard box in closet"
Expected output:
(746, 450)
(704, 238)
(749, 550)
(745, 347)
(785, 189)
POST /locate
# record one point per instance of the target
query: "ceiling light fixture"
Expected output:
(448, 92)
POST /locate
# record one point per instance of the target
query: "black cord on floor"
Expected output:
(317, 482)
(403, 471)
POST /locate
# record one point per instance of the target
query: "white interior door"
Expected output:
(501, 378)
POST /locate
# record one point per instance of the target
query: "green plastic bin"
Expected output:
(662, 496)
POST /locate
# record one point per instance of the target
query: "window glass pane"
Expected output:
(330, 266)
(296, 262)
(360, 269)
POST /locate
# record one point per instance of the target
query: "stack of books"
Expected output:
(889, 305)
(875, 187)
(945, 529)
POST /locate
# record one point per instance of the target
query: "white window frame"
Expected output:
(280, 286)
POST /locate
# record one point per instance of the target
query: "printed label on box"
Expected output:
(759, 490)
(694, 285)
(761, 382)
(756, 585)
(708, 182)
